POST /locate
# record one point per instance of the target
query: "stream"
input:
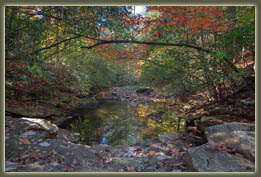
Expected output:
(116, 122)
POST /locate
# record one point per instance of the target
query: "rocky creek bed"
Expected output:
(37, 145)
(212, 145)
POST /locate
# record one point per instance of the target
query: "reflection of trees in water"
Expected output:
(118, 122)
(123, 126)
(89, 126)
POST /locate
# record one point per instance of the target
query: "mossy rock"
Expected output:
(207, 121)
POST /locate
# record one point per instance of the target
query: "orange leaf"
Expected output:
(171, 165)
(24, 141)
(160, 164)
(33, 155)
(151, 152)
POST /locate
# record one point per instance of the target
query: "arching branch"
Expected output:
(101, 42)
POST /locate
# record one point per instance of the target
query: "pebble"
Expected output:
(29, 133)
(76, 134)
(9, 163)
(140, 168)
(120, 154)
(176, 170)
(45, 144)
(132, 148)
(55, 163)
(9, 169)
(9, 166)
(161, 157)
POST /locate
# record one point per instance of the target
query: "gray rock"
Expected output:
(201, 160)
(42, 124)
(161, 157)
(54, 164)
(9, 163)
(29, 133)
(176, 170)
(248, 101)
(168, 137)
(44, 144)
(237, 136)
(10, 166)
(7, 169)
(240, 136)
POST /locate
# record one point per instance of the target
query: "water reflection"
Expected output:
(116, 122)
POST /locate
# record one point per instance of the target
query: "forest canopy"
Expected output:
(186, 48)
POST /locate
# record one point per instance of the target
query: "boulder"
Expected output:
(207, 121)
(42, 124)
(200, 159)
(240, 136)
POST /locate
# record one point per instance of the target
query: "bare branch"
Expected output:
(57, 43)
(101, 42)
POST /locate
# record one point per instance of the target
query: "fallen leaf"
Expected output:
(131, 169)
(24, 140)
(33, 155)
(63, 157)
(151, 152)
(74, 162)
(236, 154)
(160, 164)
(171, 152)
(33, 165)
(24, 156)
(171, 165)
(52, 160)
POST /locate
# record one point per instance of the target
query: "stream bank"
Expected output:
(38, 145)
(30, 147)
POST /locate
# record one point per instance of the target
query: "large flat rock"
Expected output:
(215, 157)
(240, 136)
(200, 159)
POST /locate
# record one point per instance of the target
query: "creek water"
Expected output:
(117, 122)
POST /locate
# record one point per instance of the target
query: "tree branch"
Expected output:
(101, 42)
(55, 44)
